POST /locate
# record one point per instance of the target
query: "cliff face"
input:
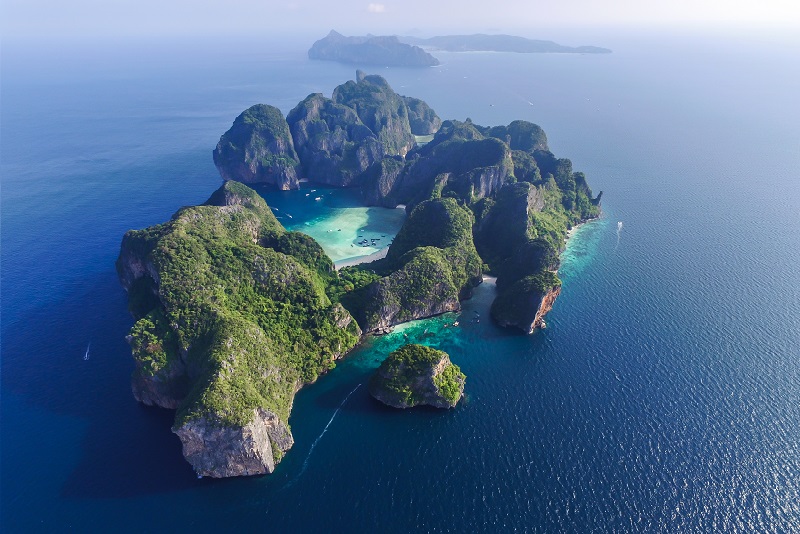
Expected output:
(332, 141)
(421, 117)
(258, 149)
(232, 450)
(431, 265)
(416, 375)
(505, 225)
(408, 293)
(545, 306)
(379, 181)
(467, 169)
(383, 111)
(385, 51)
(334, 145)
(525, 303)
(229, 326)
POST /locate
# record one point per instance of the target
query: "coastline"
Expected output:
(349, 262)
(579, 247)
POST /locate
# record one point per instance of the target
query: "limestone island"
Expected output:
(234, 314)
(416, 375)
(394, 51)
(385, 51)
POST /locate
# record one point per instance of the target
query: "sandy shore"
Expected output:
(362, 259)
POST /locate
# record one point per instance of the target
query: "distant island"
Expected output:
(234, 314)
(499, 43)
(393, 51)
(385, 51)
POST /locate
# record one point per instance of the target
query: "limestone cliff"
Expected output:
(429, 268)
(505, 224)
(525, 305)
(416, 375)
(421, 117)
(232, 318)
(383, 111)
(475, 167)
(334, 145)
(258, 149)
(222, 450)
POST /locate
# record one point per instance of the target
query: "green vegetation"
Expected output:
(519, 135)
(381, 109)
(518, 303)
(450, 383)
(416, 374)
(153, 344)
(430, 265)
(523, 201)
(245, 301)
(258, 147)
(350, 280)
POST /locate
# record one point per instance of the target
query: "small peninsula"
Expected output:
(481, 42)
(395, 51)
(416, 375)
(234, 314)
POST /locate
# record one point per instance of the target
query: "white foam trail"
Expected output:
(86, 356)
(305, 463)
(619, 231)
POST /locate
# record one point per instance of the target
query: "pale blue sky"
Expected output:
(197, 17)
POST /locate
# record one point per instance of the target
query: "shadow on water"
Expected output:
(124, 449)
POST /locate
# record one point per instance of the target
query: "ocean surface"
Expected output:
(664, 396)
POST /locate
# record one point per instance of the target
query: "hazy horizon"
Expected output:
(45, 19)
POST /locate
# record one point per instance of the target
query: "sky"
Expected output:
(88, 18)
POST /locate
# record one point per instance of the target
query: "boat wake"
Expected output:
(311, 450)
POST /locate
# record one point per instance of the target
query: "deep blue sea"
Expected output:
(664, 396)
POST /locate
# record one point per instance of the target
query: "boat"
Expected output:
(86, 356)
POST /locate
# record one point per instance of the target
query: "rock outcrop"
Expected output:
(232, 319)
(416, 375)
(505, 225)
(331, 141)
(421, 117)
(220, 450)
(385, 51)
(258, 148)
(430, 267)
(334, 145)
(525, 303)
(383, 111)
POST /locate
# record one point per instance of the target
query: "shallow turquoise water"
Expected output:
(336, 219)
(663, 396)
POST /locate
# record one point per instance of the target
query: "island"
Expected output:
(481, 42)
(385, 51)
(416, 375)
(234, 314)
(394, 51)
